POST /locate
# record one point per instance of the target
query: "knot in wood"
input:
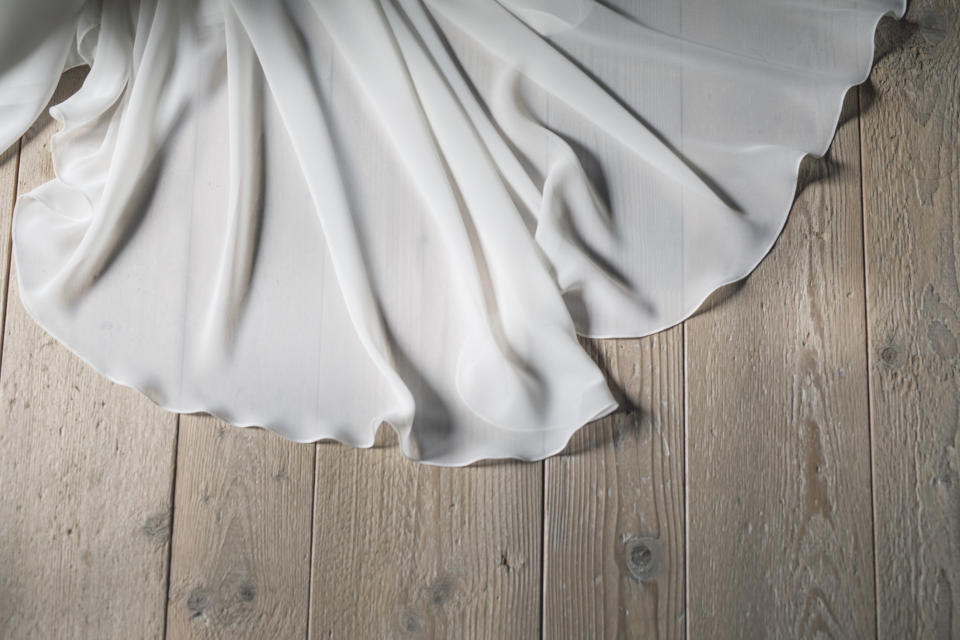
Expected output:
(643, 556)
(890, 355)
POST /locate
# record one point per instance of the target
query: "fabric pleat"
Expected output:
(320, 216)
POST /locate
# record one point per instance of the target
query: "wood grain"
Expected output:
(406, 550)
(778, 471)
(85, 468)
(240, 561)
(614, 505)
(911, 179)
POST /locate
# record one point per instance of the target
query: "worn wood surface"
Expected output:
(778, 455)
(787, 464)
(240, 560)
(911, 187)
(85, 472)
(406, 550)
(614, 505)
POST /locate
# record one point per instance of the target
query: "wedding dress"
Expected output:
(316, 216)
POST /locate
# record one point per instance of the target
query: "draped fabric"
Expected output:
(316, 216)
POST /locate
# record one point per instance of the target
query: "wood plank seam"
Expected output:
(543, 547)
(313, 534)
(173, 514)
(9, 248)
(866, 346)
(686, 481)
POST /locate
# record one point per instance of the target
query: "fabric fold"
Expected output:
(320, 216)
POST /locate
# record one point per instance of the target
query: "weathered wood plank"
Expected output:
(403, 549)
(86, 470)
(407, 550)
(614, 505)
(911, 181)
(240, 561)
(778, 451)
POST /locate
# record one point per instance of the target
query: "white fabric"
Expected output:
(319, 215)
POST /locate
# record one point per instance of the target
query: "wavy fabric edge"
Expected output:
(596, 403)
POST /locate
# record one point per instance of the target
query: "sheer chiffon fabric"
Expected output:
(316, 216)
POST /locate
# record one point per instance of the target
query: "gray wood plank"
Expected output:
(614, 505)
(911, 185)
(778, 452)
(406, 550)
(240, 561)
(86, 469)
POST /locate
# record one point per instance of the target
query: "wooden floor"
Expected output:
(790, 468)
